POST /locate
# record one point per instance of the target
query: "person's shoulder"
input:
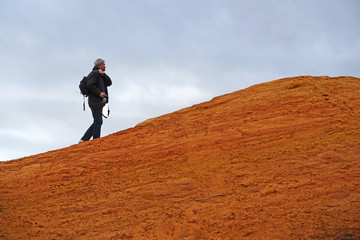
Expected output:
(94, 73)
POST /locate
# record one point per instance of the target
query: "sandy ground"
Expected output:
(279, 160)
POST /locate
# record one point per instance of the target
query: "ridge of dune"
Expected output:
(278, 160)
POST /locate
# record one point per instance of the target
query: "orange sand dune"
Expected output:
(278, 160)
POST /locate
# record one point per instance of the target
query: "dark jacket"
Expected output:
(97, 83)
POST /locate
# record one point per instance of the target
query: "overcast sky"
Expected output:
(162, 56)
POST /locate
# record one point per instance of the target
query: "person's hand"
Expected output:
(102, 95)
(101, 71)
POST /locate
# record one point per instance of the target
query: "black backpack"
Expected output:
(83, 88)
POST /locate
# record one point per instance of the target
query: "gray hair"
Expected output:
(98, 62)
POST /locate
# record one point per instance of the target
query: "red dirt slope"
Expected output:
(279, 160)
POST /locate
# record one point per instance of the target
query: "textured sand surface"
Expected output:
(278, 160)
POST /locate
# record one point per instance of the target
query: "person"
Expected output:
(97, 84)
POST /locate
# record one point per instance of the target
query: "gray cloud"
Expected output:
(162, 56)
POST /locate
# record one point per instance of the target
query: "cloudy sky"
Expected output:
(162, 55)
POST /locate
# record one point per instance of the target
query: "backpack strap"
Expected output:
(84, 103)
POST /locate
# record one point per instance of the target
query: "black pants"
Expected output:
(95, 128)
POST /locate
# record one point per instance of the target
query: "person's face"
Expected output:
(102, 66)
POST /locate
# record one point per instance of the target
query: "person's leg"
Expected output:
(95, 129)
(88, 134)
(98, 121)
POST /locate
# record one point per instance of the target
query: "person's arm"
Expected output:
(107, 80)
(91, 83)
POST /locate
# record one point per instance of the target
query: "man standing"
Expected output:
(97, 83)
